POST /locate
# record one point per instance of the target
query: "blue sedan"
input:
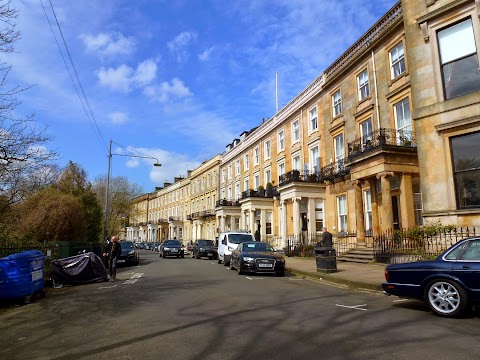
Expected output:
(450, 284)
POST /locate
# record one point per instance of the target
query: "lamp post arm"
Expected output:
(137, 156)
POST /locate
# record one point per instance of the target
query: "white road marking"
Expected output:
(400, 300)
(137, 275)
(292, 279)
(131, 281)
(356, 307)
(107, 287)
(249, 278)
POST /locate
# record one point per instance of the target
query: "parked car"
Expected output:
(129, 254)
(172, 248)
(449, 284)
(228, 241)
(156, 246)
(204, 248)
(257, 257)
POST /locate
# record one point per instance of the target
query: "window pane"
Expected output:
(466, 164)
(461, 77)
(456, 41)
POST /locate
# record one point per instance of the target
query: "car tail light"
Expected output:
(387, 276)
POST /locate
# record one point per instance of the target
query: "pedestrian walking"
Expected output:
(112, 253)
(327, 240)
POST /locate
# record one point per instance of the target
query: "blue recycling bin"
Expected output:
(21, 275)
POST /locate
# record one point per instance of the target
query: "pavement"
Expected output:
(351, 275)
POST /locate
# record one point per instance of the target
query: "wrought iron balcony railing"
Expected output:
(160, 221)
(379, 138)
(225, 202)
(269, 192)
(329, 172)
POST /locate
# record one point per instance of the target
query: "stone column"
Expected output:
(296, 216)
(359, 213)
(263, 225)
(373, 192)
(252, 221)
(407, 209)
(387, 209)
(242, 220)
(222, 223)
(283, 223)
(311, 216)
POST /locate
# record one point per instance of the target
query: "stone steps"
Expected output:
(362, 255)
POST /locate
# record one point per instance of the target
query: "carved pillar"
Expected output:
(359, 212)
(263, 225)
(407, 211)
(222, 223)
(296, 216)
(387, 209)
(373, 192)
(311, 216)
(283, 223)
(252, 221)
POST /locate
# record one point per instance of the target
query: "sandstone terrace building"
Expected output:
(388, 136)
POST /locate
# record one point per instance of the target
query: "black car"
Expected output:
(129, 254)
(204, 248)
(449, 284)
(172, 248)
(257, 257)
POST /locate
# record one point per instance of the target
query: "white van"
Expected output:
(228, 241)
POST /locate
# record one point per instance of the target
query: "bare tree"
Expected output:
(24, 159)
(120, 195)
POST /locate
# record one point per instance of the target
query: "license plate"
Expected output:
(120, 261)
(265, 265)
(37, 275)
(174, 250)
(209, 254)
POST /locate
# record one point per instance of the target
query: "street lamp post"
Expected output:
(107, 191)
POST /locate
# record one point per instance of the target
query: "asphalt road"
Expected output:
(197, 309)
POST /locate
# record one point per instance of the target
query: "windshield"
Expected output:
(126, 245)
(171, 243)
(257, 246)
(205, 243)
(239, 238)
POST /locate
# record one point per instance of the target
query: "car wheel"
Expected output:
(446, 298)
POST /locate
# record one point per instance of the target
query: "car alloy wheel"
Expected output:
(446, 298)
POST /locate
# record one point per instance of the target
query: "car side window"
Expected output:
(453, 255)
(473, 251)
(224, 241)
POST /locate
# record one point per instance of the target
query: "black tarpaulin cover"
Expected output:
(79, 270)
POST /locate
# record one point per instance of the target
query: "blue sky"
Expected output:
(176, 80)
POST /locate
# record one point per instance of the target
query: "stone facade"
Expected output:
(367, 146)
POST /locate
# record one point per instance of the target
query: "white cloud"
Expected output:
(205, 55)
(173, 164)
(124, 78)
(109, 44)
(179, 44)
(146, 72)
(167, 91)
(118, 117)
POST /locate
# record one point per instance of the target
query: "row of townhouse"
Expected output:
(388, 136)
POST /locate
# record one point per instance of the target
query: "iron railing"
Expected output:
(225, 202)
(398, 246)
(304, 244)
(379, 138)
(269, 192)
(329, 172)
